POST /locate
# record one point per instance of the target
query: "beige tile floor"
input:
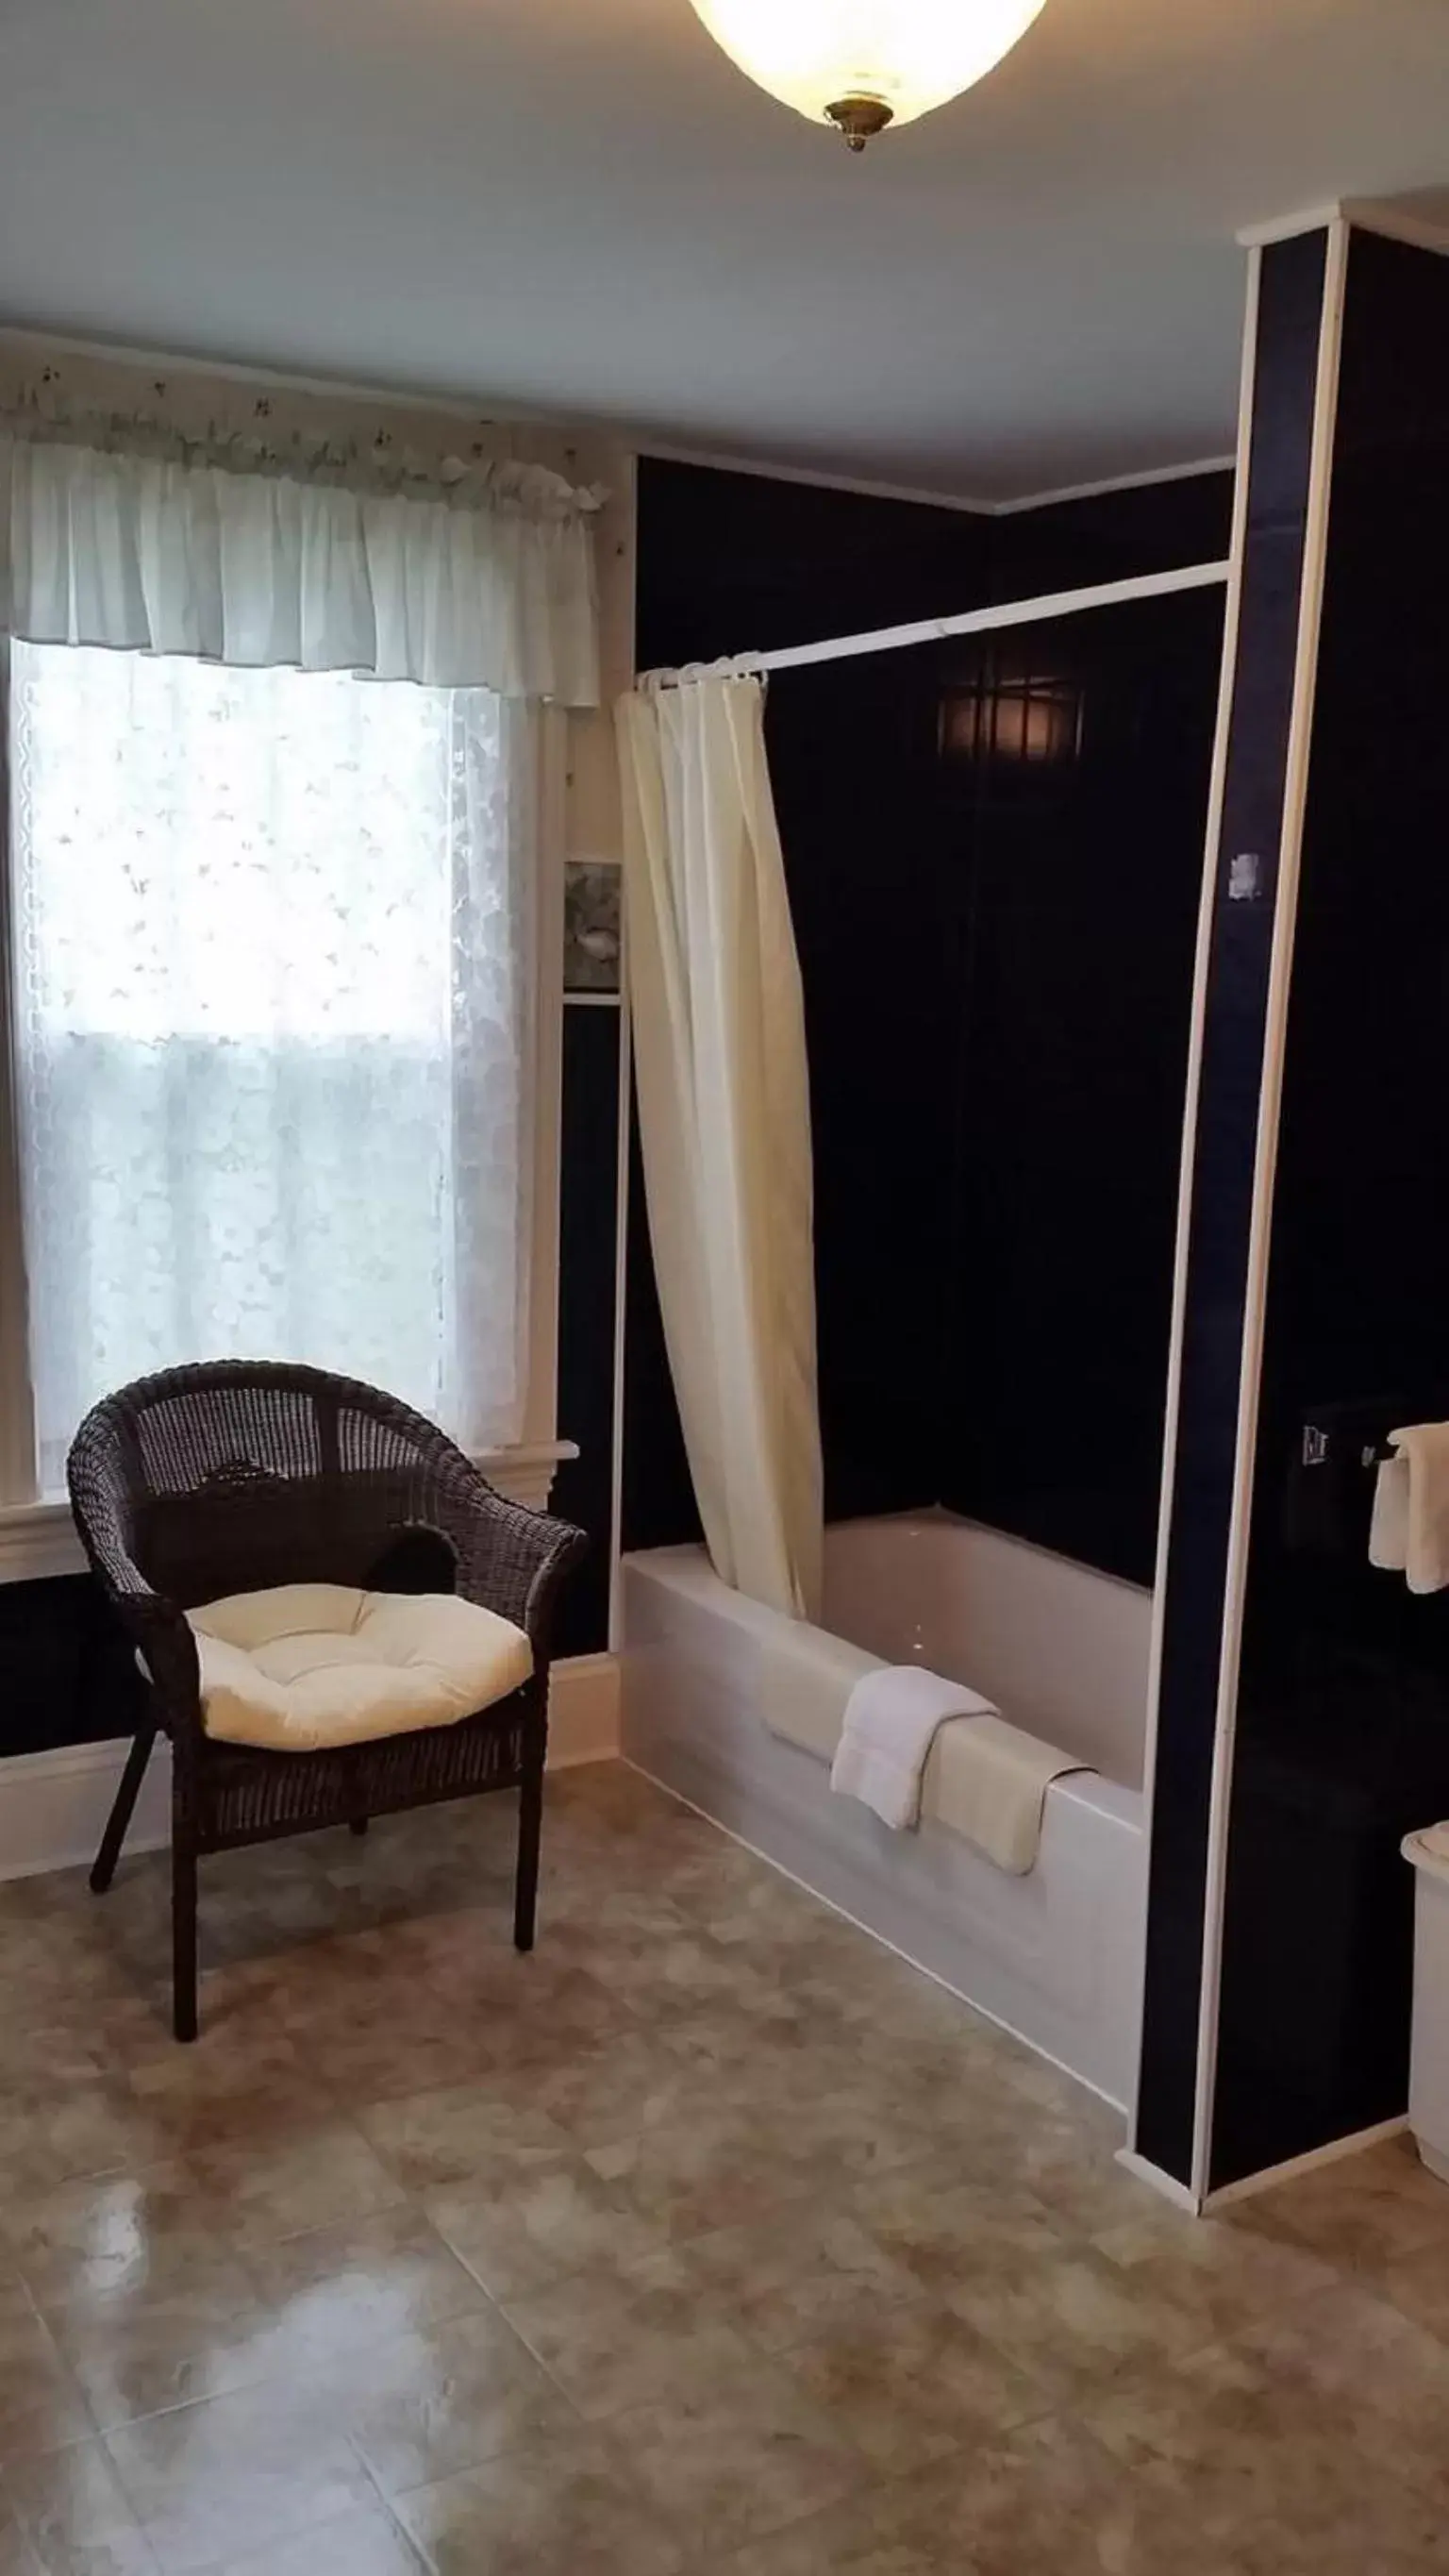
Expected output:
(709, 2239)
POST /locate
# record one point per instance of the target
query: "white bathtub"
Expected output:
(1055, 1956)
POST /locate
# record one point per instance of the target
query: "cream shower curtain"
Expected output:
(724, 1111)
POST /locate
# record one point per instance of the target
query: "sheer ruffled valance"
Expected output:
(480, 577)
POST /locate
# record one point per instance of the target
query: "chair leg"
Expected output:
(530, 1826)
(123, 1810)
(183, 1934)
(358, 1825)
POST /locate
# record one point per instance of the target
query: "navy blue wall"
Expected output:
(997, 964)
(1200, 1506)
(1343, 1714)
(66, 1676)
(1111, 536)
(588, 1263)
(730, 562)
(1078, 884)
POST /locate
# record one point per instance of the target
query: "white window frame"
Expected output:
(37, 1534)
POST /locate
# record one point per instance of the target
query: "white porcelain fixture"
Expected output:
(1055, 1956)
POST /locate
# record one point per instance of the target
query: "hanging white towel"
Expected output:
(1389, 1528)
(892, 1719)
(1410, 1532)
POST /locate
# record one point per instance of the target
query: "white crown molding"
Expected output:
(1280, 228)
(1396, 223)
(1364, 214)
(38, 1540)
(721, 461)
(1114, 483)
(53, 1806)
(716, 462)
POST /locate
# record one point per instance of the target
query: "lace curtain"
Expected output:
(275, 975)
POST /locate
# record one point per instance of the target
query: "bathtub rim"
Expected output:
(686, 1570)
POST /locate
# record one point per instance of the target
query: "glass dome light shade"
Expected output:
(902, 56)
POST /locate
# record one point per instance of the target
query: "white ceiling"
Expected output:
(579, 207)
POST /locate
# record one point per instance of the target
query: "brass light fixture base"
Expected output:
(857, 119)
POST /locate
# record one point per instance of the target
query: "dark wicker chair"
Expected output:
(234, 1476)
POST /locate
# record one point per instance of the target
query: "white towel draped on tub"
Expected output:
(1410, 1533)
(892, 1719)
(991, 1788)
(993, 1777)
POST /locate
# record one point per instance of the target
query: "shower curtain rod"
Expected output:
(927, 630)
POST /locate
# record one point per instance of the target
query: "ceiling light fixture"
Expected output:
(866, 64)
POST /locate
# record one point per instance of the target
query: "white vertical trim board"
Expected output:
(621, 1278)
(1166, 2185)
(53, 1806)
(17, 1427)
(551, 751)
(1216, 798)
(1295, 799)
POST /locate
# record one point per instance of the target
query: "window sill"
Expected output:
(38, 1540)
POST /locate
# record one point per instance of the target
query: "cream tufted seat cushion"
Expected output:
(310, 1665)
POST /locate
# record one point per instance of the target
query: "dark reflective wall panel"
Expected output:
(588, 1259)
(1244, 905)
(1111, 536)
(733, 563)
(994, 856)
(727, 562)
(854, 767)
(1343, 1721)
(66, 1675)
(1074, 864)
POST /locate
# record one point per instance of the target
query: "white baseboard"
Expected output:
(1251, 2184)
(1166, 2185)
(1333, 2154)
(583, 1711)
(53, 1806)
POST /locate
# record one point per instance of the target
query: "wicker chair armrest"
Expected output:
(509, 1559)
(166, 1643)
(157, 1626)
(103, 1527)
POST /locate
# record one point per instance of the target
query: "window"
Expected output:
(274, 1032)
